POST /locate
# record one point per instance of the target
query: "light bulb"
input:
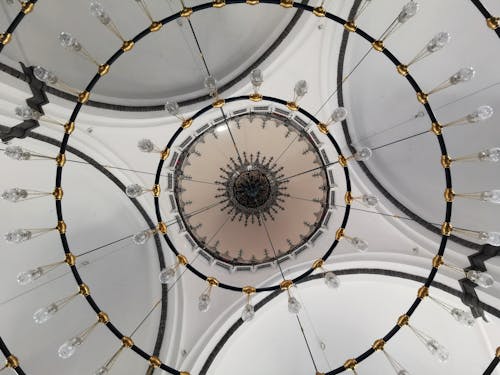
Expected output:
(491, 238)
(102, 371)
(363, 154)
(464, 317)
(69, 42)
(17, 236)
(294, 305)
(339, 114)
(483, 113)
(68, 349)
(142, 237)
(17, 153)
(167, 274)
(14, 194)
(491, 155)
(257, 78)
(45, 313)
(463, 75)
(27, 277)
(134, 190)
(26, 113)
(483, 279)
(492, 196)
(408, 11)
(438, 350)
(359, 244)
(98, 11)
(172, 108)
(370, 200)
(248, 313)
(439, 41)
(146, 145)
(204, 302)
(44, 75)
(301, 89)
(331, 280)
(211, 85)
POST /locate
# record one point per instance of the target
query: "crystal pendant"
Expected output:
(294, 305)
(45, 313)
(483, 279)
(359, 244)
(248, 313)
(68, 349)
(211, 85)
(257, 78)
(492, 155)
(483, 113)
(14, 194)
(68, 41)
(26, 113)
(18, 236)
(17, 153)
(102, 371)
(463, 75)
(439, 41)
(364, 154)
(98, 11)
(142, 237)
(146, 145)
(339, 114)
(204, 302)
(134, 190)
(370, 200)
(331, 280)
(435, 348)
(301, 88)
(491, 238)
(408, 11)
(44, 75)
(167, 274)
(492, 196)
(403, 372)
(172, 108)
(27, 277)
(464, 317)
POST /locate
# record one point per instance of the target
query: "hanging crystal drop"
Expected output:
(257, 78)
(439, 41)
(483, 279)
(14, 194)
(27, 277)
(68, 41)
(403, 372)
(211, 85)
(492, 155)
(438, 350)
(294, 305)
(102, 371)
(26, 113)
(248, 313)
(172, 108)
(17, 153)
(492, 196)
(483, 113)
(97, 10)
(491, 238)
(301, 88)
(408, 11)
(359, 244)
(18, 236)
(44, 75)
(463, 75)
(167, 274)
(363, 154)
(464, 317)
(142, 237)
(134, 190)
(45, 313)
(331, 280)
(146, 145)
(339, 114)
(68, 349)
(204, 302)
(370, 200)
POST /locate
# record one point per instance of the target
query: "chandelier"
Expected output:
(249, 184)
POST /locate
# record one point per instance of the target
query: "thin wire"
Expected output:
(272, 247)
(103, 246)
(307, 343)
(287, 147)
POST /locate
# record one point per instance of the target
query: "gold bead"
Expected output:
(319, 11)
(286, 284)
(162, 227)
(83, 97)
(437, 128)
(318, 263)
(12, 362)
(339, 234)
(437, 261)
(5, 38)
(446, 161)
(84, 290)
(403, 320)
(286, 3)
(350, 364)
(493, 22)
(498, 352)
(218, 3)
(255, 97)
(252, 2)
(350, 26)
(155, 26)
(69, 127)
(61, 160)
(219, 103)
(423, 292)
(186, 12)
(103, 318)
(212, 281)
(58, 193)
(127, 342)
(182, 259)
(378, 344)
(127, 45)
(446, 229)
(61, 227)
(449, 195)
(187, 123)
(165, 154)
(292, 106)
(342, 161)
(70, 259)
(156, 190)
(103, 69)
(403, 70)
(323, 128)
(27, 7)
(378, 45)
(348, 198)
(422, 97)
(249, 290)
(155, 361)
